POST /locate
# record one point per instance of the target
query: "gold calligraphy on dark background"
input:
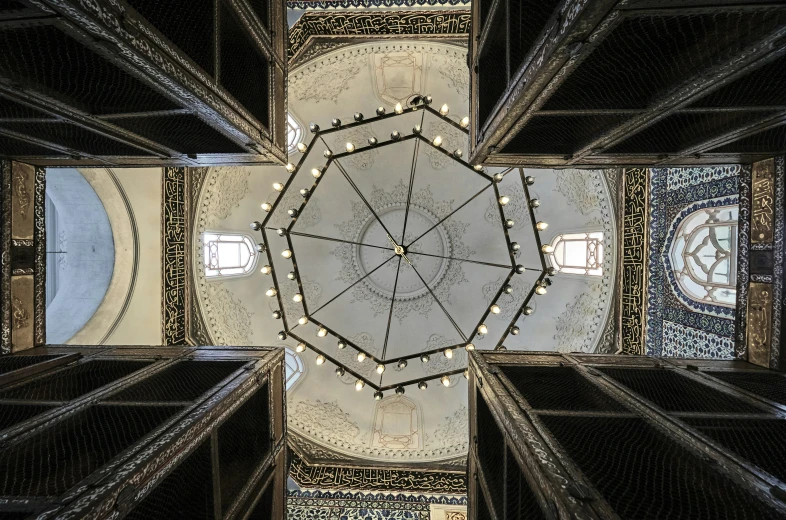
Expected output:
(173, 247)
(634, 253)
(377, 479)
(759, 321)
(762, 193)
(375, 24)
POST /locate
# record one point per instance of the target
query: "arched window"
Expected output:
(294, 133)
(396, 424)
(228, 254)
(294, 367)
(578, 253)
(704, 255)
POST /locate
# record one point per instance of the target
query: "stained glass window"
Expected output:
(704, 255)
(294, 367)
(578, 253)
(294, 133)
(228, 254)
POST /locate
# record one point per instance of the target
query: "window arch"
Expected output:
(294, 367)
(294, 133)
(397, 424)
(703, 255)
(228, 254)
(578, 253)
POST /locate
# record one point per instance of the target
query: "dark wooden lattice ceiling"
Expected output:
(143, 82)
(627, 82)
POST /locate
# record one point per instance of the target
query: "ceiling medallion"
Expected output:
(400, 252)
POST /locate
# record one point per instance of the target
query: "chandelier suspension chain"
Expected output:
(309, 235)
(411, 181)
(439, 303)
(354, 284)
(449, 215)
(357, 190)
(390, 313)
(490, 264)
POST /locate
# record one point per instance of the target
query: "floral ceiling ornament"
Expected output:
(402, 253)
(451, 232)
(398, 75)
(579, 187)
(311, 83)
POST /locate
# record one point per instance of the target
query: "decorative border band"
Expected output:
(375, 479)
(346, 4)
(39, 243)
(173, 247)
(375, 25)
(634, 252)
(5, 262)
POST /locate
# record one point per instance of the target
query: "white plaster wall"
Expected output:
(141, 323)
(84, 268)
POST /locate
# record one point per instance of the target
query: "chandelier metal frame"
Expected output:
(398, 250)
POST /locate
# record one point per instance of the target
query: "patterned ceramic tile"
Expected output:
(671, 191)
(337, 505)
(681, 341)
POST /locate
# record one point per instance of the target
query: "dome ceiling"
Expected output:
(455, 243)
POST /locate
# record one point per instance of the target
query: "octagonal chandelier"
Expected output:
(408, 304)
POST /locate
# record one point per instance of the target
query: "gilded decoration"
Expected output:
(318, 504)
(762, 192)
(759, 323)
(196, 328)
(23, 187)
(634, 250)
(173, 246)
(39, 245)
(370, 24)
(5, 257)
(22, 329)
(377, 479)
(779, 250)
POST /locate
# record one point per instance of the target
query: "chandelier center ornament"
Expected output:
(410, 286)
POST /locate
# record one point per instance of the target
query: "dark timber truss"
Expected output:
(580, 83)
(143, 82)
(141, 432)
(602, 436)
